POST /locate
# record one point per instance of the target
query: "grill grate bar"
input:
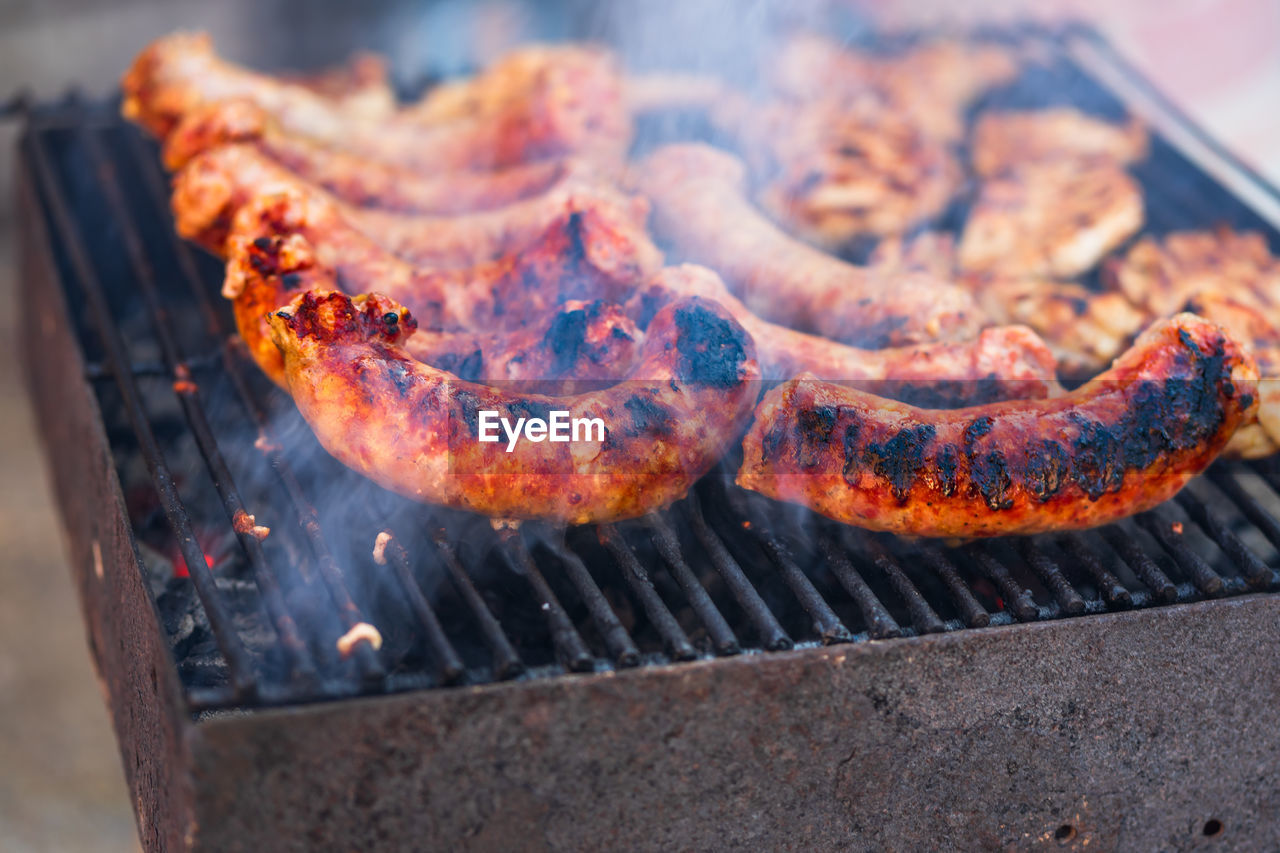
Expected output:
(664, 539)
(1017, 598)
(923, 616)
(971, 610)
(506, 661)
(1162, 589)
(568, 642)
(1113, 592)
(1158, 524)
(880, 622)
(637, 577)
(1247, 504)
(242, 680)
(308, 518)
(446, 656)
(1049, 573)
(1249, 563)
(616, 637)
(770, 631)
(193, 410)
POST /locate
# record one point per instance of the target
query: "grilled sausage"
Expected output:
(415, 429)
(571, 104)
(700, 208)
(1004, 362)
(279, 245)
(1116, 446)
(353, 179)
(212, 187)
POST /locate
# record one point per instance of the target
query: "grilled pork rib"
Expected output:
(416, 429)
(1118, 445)
(700, 208)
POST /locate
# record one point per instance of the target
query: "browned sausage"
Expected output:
(1118, 445)
(416, 429)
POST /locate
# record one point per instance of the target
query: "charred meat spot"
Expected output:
(565, 339)
(989, 474)
(947, 463)
(852, 448)
(530, 409)
(575, 228)
(401, 377)
(977, 429)
(711, 348)
(262, 243)
(469, 367)
(1097, 466)
(814, 428)
(1048, 468)
(291, 280)
(469, 405)
(773, 439)
(899, 459)
(648, 416)
(620, 333)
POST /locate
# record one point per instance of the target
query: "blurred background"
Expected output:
(61, 787)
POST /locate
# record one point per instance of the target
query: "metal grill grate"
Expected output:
(200, 438)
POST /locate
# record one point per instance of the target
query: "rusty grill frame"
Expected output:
(204, 772)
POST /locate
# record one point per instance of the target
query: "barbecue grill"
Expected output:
(727, 672)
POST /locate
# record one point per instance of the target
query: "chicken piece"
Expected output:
(1006, 141)
(932, 83)
(1085, 330)
(839, 171)
(1055, 220)
(1161, 275)
(1260, 333)
(932, 252)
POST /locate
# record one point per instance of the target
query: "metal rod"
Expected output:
(923, 616)
(772, 636)
(825, 621)
(1163, 529)
(880, 623)
(971, 610)
(1113, 592)
(1017, 598)
(664, 539)
(568, 642)
(1050, 575)
(616, 637)
(506, 662)
(1249, 563)
(241, 674)
(186, 391)
(1162, 589)
(446, 657)
(673, 636)
(1248, 505)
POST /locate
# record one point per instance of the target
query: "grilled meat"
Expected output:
(574, 107)
(1085, 329)
(209, 190)
(833, 171)
(1054, 220)
(1260, 331)
(932, 83)
(1006, 141)
(1008, 362)
(415, 429)
(1160, 275)
(700, 208)
(353, 179)
(282, 243)
(1118, 445)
